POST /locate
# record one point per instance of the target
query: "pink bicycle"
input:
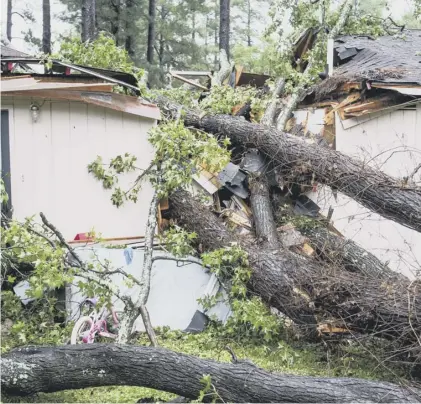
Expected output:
(95, 323)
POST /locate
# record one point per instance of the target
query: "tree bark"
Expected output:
(88, 20)
(151, 31)
(302, 288)
(347, 254)
(248, 22)
(46, 27)
(268, 118)
(9, 20)
(129, 41)
(139, 305)
(215, 33)
(30, 370)
(261, 207)
(385, 195)
(224, 26)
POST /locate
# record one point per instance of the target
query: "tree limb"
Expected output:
(268, 118)
(30, 370)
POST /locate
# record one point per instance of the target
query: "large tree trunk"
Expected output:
(9, 20)
(151, 31)
(130, 39)
(302, 288)
(46, 26)
(88, 20)
(261, 206)
(46, 369)
(224, 26)
(372, 188)
(249, 31)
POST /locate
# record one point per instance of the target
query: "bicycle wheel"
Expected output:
(82, 326)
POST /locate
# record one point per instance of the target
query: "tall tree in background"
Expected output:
(46, 26)
(88, 20)
(129, 43)
(151, 31)
(9, 20)
(224, 26)
(244, 16)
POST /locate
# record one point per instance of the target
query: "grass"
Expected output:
(284, 357)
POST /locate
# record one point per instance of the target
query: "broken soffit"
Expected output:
(86, 93)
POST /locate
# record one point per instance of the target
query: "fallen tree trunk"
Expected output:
(347, 254)
(387, 196)
(273, 277)
(31, 370)
(264, 221)
(303, 288)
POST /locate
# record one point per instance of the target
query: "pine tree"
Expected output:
(46, 26)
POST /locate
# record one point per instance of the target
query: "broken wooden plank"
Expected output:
(236, 218)
(238, 72)
(370, 106)
(191, 82)
(348, 100)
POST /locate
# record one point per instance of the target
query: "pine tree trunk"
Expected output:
(129, 41)
(88, 20)
(215, 34)
(224, 26)
(248, 22)
(193, 31)
(30, 370)
(92, 18)
(151, 31)
(9, 20)
(46, 27)
(261, 207)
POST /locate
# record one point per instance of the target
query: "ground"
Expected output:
(286, 356)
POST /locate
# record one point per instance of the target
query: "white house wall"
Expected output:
(392, 143)
(49, 162)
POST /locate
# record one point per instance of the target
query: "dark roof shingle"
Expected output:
(7, 51)
(391, 59)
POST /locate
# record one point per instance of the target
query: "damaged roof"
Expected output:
(389, 59)
(65, 69)
(7, 51)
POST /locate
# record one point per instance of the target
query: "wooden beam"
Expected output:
(192, 83)
(238, 72)
(191, 73)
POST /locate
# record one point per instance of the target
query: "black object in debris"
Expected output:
(303, 205)
(198, 323)
(234, 180)
(254, 162)
(257, 163)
